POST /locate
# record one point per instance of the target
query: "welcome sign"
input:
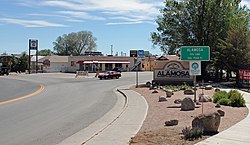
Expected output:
(173, 72)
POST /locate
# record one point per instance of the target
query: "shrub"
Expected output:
(237, 100)
(183, 86)
(219, 95)
(233, 98)
(191, 134)
(224, 101)
(231, 92)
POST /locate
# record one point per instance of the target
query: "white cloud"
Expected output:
(124, 23)
(132, 10)
(30, 23)
(80, 15)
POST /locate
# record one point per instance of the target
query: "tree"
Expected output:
(74, 43)
(237, 43)
(21, 64)
(193, 23)
(45, 52)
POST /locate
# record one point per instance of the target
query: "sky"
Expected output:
(124, 24)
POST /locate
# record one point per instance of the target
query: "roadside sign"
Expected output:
(133, 53)
(194, 68)
(33, 44)
(201, 53)
(140, 53)
(244, 74)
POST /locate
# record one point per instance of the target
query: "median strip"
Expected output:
(24, 97)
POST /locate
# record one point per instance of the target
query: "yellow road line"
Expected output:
(24, 97)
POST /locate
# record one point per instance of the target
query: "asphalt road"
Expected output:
(65, 106)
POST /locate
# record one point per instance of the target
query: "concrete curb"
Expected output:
(85, 135)
(129, 122)
(117, 126)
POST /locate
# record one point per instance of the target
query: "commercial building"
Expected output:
(56, 63)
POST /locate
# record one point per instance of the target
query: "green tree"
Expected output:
(75, 43)
(193, 23)
(45, 52)
(21, 64)
(235, 48)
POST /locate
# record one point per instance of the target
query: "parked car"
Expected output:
(109, 75)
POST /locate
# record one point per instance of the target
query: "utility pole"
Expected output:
(111, 49)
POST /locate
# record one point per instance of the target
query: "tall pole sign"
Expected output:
(195, 54)
(137, 54)
(33, 45)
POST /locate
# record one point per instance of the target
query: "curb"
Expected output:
(85, 135)
(124, 108)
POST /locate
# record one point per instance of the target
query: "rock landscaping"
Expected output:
(156, 130)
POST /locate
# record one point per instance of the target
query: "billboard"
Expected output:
(244, 74)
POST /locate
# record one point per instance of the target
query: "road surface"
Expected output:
(48, 108)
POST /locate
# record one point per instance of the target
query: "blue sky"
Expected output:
(125, 24)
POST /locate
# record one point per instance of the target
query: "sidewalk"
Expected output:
(235, 135)
(121, 123)
(127, 116)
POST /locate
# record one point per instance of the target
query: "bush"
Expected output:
(231, 92)
(191, 134)
(237, 100)
(170, 87)
(219, 95)
(184, 86)
(224, 101)
(233, 98)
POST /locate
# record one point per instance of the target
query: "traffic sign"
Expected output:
(194, 68)
(201, 53)
(140, 53)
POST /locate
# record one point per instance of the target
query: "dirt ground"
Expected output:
(154, 131)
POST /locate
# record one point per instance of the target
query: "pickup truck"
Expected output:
(109, 75)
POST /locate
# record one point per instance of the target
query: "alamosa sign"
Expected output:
(172, 72)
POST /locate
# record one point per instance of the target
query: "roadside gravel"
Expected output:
(153, 131)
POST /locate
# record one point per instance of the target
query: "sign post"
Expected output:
(33, 45)
(195, 54)
(140, 54)
(137, 54)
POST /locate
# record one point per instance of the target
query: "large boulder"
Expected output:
(189, 92)
(210, 122)
(155, 91)
(148, 84)
(204, 98)
(187, 104)
(162, 99)
(177, 101)
(221, 112)
(217, 90)
(171, 122)
(217, 106)
(169, 93)
(209, 87)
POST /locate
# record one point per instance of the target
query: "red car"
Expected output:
(109, 75)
